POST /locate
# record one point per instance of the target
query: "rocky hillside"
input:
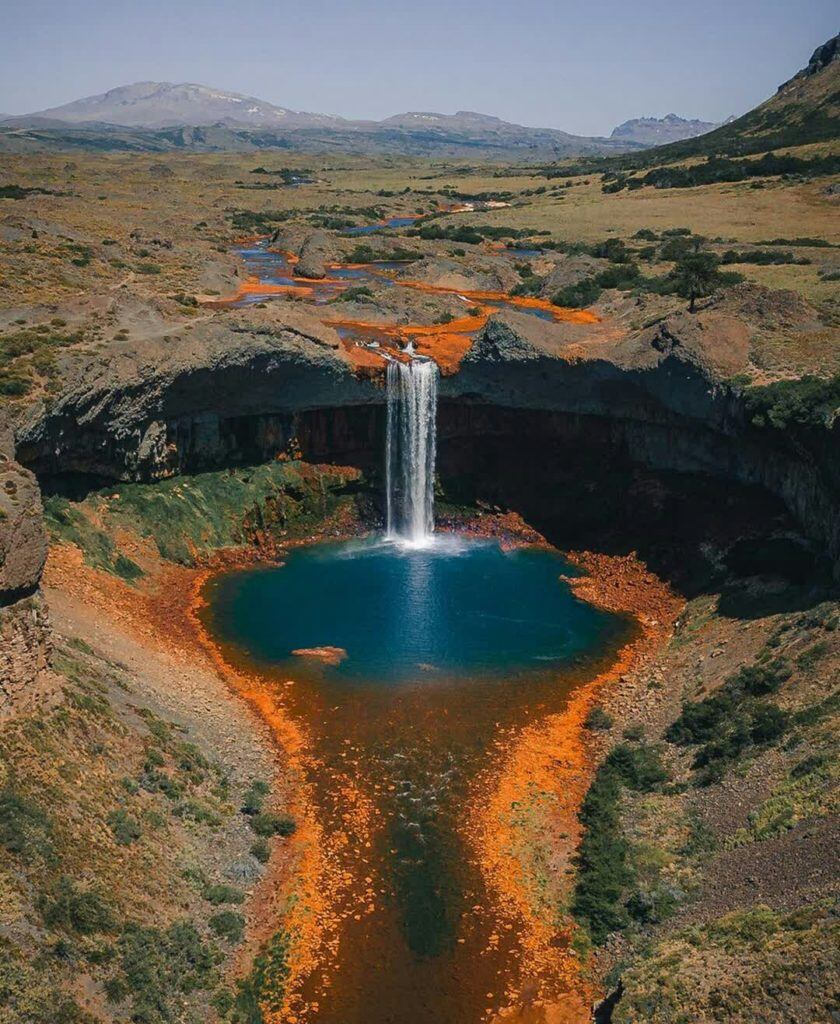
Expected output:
(805, 109)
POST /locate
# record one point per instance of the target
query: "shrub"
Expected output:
(125, 827)
(228, 925)
(219, 894)
(268, 824)
(156, 966)
(602, 859)
(80, 910)
(261, 850)
(352, 294)
(576, 296)
(266, 982)
(25, 828)
(254, 797)
(598, 720)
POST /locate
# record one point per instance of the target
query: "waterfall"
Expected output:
(410, 449)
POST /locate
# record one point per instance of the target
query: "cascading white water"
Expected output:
(410, 449)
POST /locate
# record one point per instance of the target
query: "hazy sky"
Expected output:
(583, 66)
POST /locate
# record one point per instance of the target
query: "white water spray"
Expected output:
(410, 444)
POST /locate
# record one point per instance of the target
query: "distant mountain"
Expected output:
(166, 105)
(657, 131)
(160, 115)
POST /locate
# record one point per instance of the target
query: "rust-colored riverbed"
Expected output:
(418, 672)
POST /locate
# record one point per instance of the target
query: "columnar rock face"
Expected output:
(24, 625)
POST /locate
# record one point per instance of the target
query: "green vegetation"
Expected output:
(156, 967)
(803, 405)
(597, 720)
(84, 911)
(604, 873)
(265, 985)
(735, 719)
(718, 169)
(268, 824)
(753, 964)
(190, 515)
(354, 294)
(228, 925)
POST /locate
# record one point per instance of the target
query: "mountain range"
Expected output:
(164, 116)
(214, 118)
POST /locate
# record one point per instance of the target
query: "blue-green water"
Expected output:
(456, 608)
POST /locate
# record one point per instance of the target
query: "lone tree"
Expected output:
(696, 275)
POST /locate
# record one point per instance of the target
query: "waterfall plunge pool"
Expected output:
(449, 608)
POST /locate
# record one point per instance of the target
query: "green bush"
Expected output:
(254, 798)
(576, 296)
(220, 893)
(80, 910)
(126, 827)
(602, 860)
(156, 966)
(261, 850)
(807, 403)
(268, 824)
(598, 720)
(227, 924)
(265, 984)
(25, 828)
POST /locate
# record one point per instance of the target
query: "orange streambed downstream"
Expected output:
(500, 770)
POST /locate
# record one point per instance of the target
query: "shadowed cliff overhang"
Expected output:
(237, 396)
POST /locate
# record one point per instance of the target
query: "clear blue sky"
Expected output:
(582, 66)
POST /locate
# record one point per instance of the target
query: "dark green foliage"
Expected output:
(601, 859)
(638, 768)
(695, 275)
(803, 404)
(603, 871)
(612, 249)
(220, 894)
(84, 911)
(762, 257)
(269, 824)
(735, 719)
(576, 296)
(598, 720)
(22, 192)
(265, 985)
(254, 798)
(532, 284)
(126, 827)
(257, 223)
(155, 966)
(25, 828)
(720, 169)
(352, 294)
(227, 924)
(261, 850)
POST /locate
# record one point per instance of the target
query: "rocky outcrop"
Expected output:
(472, 274)
(315, 253)
(572, 270)
(242, 386)
(157, 407)
(24, 626)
